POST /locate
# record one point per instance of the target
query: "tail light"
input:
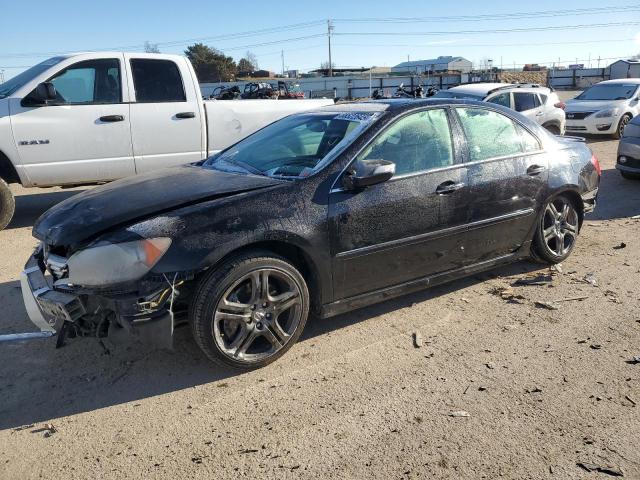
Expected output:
(596, 164)
(561, 105)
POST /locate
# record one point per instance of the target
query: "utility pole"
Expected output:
(329, 32)
(282, 56)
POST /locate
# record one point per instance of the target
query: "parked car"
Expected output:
(319, 212)
(629, 150)
(94, 117)
(605, 108)
(540, 104)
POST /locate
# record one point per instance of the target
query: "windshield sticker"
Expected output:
(355, 116)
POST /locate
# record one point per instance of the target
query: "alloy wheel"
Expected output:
(257, 315)
(559, 226)
(623, 123)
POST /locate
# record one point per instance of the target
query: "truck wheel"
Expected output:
(557, 231)
(7, 204)
(249, 311)
(623, 123)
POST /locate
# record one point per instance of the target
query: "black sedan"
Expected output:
(316, 214)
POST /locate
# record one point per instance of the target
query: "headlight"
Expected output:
(116, 262)
(609, 112)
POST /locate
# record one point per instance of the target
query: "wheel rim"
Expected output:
(559, 227)
(623, 123)
(257, 315)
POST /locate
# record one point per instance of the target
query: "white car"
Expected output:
(605, 108)
(540, 104)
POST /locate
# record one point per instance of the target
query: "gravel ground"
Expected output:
(542, 390)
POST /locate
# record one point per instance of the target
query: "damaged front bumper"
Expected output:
(57, 309)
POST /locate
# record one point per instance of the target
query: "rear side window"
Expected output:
(525, 101)
(157, 81)
(489, 134)
(543, 99)
(89, 82)
(502, 99)
(415, 143)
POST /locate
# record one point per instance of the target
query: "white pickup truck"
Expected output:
(94, 117)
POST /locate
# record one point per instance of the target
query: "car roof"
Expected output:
(488, 87)
(619, 81)
(398, 104)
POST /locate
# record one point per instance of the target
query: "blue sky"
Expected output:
(32, 31)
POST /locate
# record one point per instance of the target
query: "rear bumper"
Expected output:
(589, 200)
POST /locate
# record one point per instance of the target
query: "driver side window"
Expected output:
(417, 142)
(89, 82)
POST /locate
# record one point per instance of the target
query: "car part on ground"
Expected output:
(316, 212)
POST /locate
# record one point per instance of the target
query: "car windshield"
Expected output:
(611, 91)
(454, 94)
(294, 147)
(13, 84)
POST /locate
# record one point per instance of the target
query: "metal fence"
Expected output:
(577, 77)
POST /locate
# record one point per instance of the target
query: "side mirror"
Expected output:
(41, 95)
(368, 173)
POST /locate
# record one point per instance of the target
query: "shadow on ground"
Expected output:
(30, 207)
(618, 197)
(38, 382)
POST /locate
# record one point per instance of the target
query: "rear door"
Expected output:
(508, 173)
(528, 104)
(166, 118)
(84, 135)
(410, 226)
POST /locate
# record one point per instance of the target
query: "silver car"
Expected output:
(629, 150)
(540, 104)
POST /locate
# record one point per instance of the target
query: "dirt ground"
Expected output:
(543, 390)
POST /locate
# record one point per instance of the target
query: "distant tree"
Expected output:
(211, 65)
(151, 47)
(252, 59)
(325, 65)
(245, 66)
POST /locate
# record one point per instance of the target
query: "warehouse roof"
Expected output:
(434, 61)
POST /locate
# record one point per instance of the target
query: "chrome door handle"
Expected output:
(112, 118)
(534, 170)
(186, 115)
(448, 187)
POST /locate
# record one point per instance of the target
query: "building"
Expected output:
(435, 65)
(625, 69)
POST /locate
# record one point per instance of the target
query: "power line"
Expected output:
(466, 45)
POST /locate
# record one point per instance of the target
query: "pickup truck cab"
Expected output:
(94, 117)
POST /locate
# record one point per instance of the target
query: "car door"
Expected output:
(529, 105)
(413, 224)
(84, 135)
(166, 119)
(508, 173)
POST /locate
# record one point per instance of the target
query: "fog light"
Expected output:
(622, 159)
(603, 126)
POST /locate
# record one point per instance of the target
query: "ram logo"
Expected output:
(24, 143)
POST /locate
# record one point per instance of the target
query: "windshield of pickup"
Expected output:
(13, 84)
(454, 94)
(611, 91)
(296, 146)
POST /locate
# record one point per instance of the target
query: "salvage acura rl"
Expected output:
(320, 212)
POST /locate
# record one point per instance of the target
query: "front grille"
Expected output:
(575, 128)
(578, 115)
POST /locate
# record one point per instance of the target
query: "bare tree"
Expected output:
(151, 47)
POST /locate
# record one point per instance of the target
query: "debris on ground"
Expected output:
(459, 413)
(621, 246)
(536, 279)
(507, 293)
(612, 296)
(595, 346)
(48, 429)
(590, 278)
(609, 470)
(634, 360)
(534, 390)
(630, 400)
(490, 365)
(417, 339)
(547, 305)
(635, 217)
(571, 299)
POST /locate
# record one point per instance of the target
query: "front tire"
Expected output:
(249, 311)
(621, 125)
(7, 204)
(557, 231)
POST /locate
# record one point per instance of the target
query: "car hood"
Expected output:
(592, 105)
(94, 211)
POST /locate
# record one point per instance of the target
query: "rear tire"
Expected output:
(557, 231)
(249, 311)
(7, 204)
(623, 123)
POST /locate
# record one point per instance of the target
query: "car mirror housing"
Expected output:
(41, 95)
(368, 173)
